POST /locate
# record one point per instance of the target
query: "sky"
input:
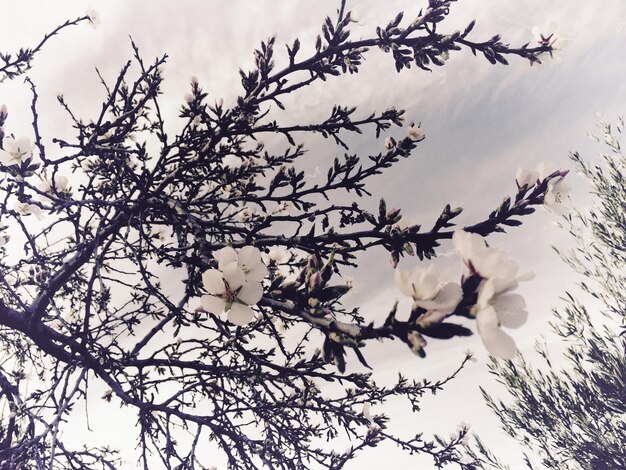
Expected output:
(481, 123)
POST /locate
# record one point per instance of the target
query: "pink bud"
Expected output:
(316, 280)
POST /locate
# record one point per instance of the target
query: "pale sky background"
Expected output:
(481, 122)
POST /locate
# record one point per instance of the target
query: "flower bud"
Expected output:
(415, 133)
(4, 113)
(315, 280)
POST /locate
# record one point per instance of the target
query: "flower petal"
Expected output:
(250, 293)
(240, 314)
(494, 286)
(511, 310)
(213, 304)
(249, 257)
(234, 276)
(545, 169)
(225, 256)
(258, 273)
(493, 262)
(24, 146)
(213, 282)
(9, 145)
(425, 282)
(6, 158)
(526, 177)
(487, 323)
(449, 297)
(501, 345)
(402, 278)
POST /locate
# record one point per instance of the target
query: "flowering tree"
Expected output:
(572, 414)
(188, 272)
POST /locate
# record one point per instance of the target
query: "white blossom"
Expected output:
(285, 208)
(94, 17)
(189, 98)
(277, 254)
(497, 307)
(550, 34)
(428, 290)
(248, 259)
(196, 121)
(415, 133)
(25, 209)
(356, 16)
(14, 151)
(480, 259)
(60, 184)
(558, 187)
(244, 214)
(470, 355)
(229, 291)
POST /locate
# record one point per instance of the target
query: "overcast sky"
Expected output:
(481, 122)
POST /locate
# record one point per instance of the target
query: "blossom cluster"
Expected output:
(489, 274)
(236, 285)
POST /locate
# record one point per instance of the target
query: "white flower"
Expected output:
(244, 214)
(415, 133)
(248, 260)
(60, 184)
(445, 55)
(428, 291)
(558, 188)
(189, 98)
(550, 35)
(26, 209)
(367, 412)
(285, 208)
(228, 290)
(480, 259)
(94, 17)
(470, 355)
(277, 254)
(15, 150)
(497, 307)
(558, 191)
(526, 177)
(389, 144)
(193, 81)
(196, 121)
(356, 16)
